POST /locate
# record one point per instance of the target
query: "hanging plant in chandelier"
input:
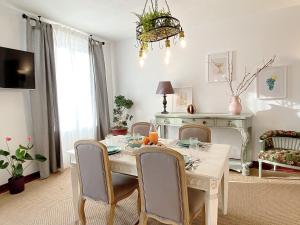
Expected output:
(157, 25)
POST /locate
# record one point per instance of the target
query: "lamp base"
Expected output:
(164, 112)
(164, 104)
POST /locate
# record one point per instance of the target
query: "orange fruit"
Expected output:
(153, 136)
(146, 140)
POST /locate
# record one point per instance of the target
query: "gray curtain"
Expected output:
(44, 98)
(98, 69)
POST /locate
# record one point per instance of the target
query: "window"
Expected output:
(76, 104)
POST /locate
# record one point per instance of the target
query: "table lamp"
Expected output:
(164, 88)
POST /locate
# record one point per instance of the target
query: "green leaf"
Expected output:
(3, 165)
(122, 102)
(20, 153)
(19, 160)
(4, 153)
(23, 147)
(28, 156)
(19, 170)
(40, 158)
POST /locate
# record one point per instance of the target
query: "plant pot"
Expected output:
(235, 107)
(119, 131)
(16, 185)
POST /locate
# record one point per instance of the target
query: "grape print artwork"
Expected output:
(271, 82)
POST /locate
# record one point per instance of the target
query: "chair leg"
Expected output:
(203, 216)
(259, 168)
(81, 211)
(143, 218)
(111, 214)
(139, 203)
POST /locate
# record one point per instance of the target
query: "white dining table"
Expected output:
(210, 175)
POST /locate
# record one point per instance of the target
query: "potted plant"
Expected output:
(121, 116)
(150, 20)
(147, 20)
(13, 163)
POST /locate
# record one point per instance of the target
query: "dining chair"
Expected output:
(203, 133)
(141, 128)
(96, 180)
(165, 196)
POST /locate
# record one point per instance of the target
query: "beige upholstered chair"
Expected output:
(141, 128)
(203, 133)
(96, 180)
(164, 193)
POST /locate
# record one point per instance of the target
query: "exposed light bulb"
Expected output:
(182, 39)
(144, 55)
(167, 56)
(182, 42)
(142, 62)
(168, 52)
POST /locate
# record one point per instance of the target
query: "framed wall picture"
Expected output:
(217, 67)
(182, 97)
(272, 83)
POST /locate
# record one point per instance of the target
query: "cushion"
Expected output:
(92, 172)
(123, 185)
(284, 156)
(162, 185)
(267, 136)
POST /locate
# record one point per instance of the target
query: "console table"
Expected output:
(242, 123)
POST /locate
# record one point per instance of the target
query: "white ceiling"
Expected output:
(113, 19)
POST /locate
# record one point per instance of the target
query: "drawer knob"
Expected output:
(204, 122)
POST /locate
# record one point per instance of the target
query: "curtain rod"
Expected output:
(25, 17)
(100, 42)
(39, 20)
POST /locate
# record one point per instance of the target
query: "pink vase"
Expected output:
(235, 107)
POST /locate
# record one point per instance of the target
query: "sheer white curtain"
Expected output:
(76, 103)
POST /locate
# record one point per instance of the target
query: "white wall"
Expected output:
(253, 38)
(15, 116)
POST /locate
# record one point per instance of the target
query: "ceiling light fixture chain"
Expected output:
(167, 6)
(146, 3)
(156, 25)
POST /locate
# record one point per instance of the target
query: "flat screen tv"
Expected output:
(16, 69)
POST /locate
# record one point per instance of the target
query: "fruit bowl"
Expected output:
(135, 143)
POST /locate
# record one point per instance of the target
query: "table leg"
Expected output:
(225, 188)
(163, 131)
(75, 190)
(211, 209)
(244, 151)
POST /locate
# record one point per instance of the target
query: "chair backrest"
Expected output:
(94, 171)
(141, 128)
(162, 182)
(203, 133)
(286, 143)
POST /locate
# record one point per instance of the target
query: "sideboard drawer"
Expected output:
(230, 123)
(169, 121)
(205, 122)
